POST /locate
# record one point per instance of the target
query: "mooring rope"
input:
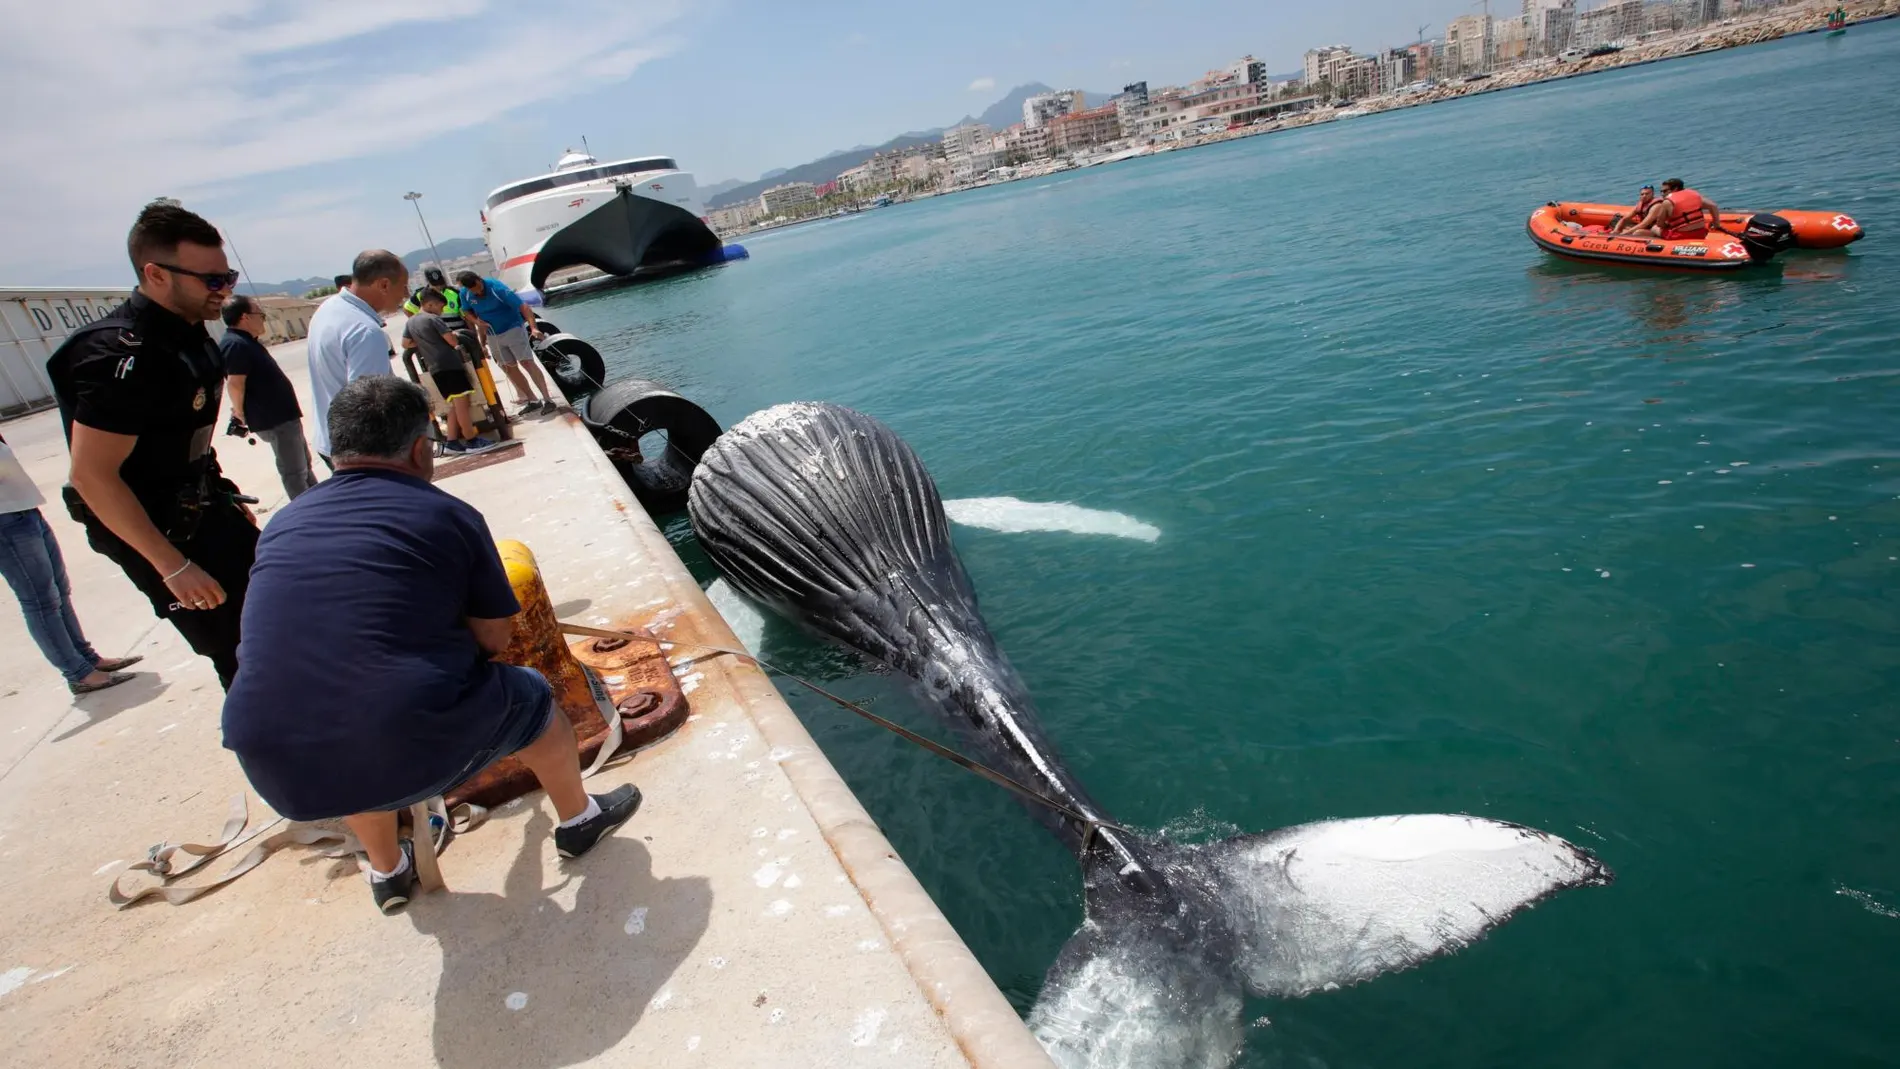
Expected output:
(1090, 825)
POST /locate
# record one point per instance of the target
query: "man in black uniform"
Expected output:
(138, 392)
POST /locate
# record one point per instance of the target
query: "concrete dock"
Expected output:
(750, 915)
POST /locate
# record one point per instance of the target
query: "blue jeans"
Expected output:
(29, 558)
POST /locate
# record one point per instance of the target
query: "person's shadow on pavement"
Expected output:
(526, 983)
(103, 705)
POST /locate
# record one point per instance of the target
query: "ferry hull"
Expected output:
(621, 236)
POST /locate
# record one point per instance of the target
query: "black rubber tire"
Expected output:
(575, 365)
(623, 411)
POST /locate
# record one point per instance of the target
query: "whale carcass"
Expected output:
(826, 516)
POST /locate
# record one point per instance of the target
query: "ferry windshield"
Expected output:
(572, 178)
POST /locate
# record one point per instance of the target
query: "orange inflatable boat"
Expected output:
(1579, 231)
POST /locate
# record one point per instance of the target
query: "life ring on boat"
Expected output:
(623, 413)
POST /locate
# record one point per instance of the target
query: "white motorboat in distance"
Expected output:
(623, 217)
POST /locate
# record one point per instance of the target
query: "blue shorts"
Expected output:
(530, 711)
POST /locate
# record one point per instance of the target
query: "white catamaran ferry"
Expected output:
(623, 217)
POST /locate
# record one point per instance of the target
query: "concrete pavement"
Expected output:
(751, 914)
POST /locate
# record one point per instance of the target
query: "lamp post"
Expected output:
(416, 199)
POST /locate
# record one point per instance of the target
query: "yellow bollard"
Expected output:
(538, 644)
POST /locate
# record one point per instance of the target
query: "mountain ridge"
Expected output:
(450, 249)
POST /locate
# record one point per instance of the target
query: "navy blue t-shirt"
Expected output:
(269, 400)
(358, 683)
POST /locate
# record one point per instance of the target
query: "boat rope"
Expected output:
(1090, 825)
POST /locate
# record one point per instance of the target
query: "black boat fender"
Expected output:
(621, 413)
(575, 365)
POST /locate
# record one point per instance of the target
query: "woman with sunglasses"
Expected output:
(138, 392)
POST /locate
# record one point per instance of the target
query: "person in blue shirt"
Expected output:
(346, 339)
(374, 614)
(505, 324)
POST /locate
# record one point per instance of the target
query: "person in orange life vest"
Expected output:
(1680, 214)
(1644, 202)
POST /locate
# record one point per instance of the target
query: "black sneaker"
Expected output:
(616, 808)
(393, 894)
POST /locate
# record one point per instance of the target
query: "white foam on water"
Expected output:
(1868, 902)
(1015, 516)
(745, 619)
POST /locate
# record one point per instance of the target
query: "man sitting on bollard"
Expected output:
(367, 683)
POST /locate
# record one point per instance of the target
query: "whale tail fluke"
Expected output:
(1283, 914)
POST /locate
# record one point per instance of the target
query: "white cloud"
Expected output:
(982, 85)
(110, 104)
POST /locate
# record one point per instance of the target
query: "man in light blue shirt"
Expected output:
(505, 324)
(346, 339)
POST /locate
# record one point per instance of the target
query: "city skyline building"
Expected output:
(1042, 107)
(1082, 129)
(1468, 43)
(1248, 70)
(1318, 62)
(969, 150)
(787, 198)
(1549, 26)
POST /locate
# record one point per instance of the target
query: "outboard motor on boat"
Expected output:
(1765, 235)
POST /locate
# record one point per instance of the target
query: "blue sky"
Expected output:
(297, 127)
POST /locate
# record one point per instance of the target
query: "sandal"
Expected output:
(114, 664)
(112, 680)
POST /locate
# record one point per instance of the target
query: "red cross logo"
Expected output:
(1734, 252)
(1842, 222)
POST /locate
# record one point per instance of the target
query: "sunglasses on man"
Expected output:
(213, 280)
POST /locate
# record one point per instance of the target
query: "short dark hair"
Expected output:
(236, 307)
(467, 278)
(431, 296)
(377, 417)
(374, 265)
(342, 282)
(163, 226)
(1672, 184)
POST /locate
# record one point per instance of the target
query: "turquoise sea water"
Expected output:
(1446, 526)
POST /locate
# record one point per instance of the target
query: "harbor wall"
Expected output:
(33, 321)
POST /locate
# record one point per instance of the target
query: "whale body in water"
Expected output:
(826, 516)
